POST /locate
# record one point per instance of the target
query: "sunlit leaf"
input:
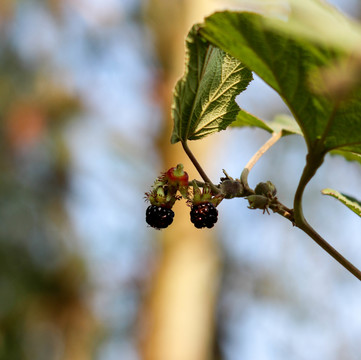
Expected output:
(284, 123)
(286, 63)
(348, 155)
(204, 98)
(245, 118)
(332, 27)
(347, 200)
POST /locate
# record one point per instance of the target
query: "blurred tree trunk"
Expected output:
(178, 316)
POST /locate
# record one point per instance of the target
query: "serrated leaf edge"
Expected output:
(347, 200)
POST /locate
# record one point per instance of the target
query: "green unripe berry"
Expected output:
(265, 188)
(257, 201)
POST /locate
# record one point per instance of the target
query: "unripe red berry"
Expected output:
(176, 176)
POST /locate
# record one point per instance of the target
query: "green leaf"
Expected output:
(284, 123)
(348, 155)
(347, 200)
(332, 27)
(204, 98)
(287, 63)
(244, 118)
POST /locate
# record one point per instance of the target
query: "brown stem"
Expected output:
(307, 228)
(283, 211)
(200, 170)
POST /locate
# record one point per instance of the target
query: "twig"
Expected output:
(200, 170)
(266, 146)
(313, 162)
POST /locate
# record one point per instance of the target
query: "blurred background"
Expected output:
(85, 91)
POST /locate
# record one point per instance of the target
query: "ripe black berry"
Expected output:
(159, 217)
(204, 215)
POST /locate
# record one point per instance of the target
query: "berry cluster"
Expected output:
(163, 195)
(204, 215)
(203, 207)
(159, 217)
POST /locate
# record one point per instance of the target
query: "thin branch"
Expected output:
(200, 170)
(314, 161)
(284, 211)
(266, 146)
(262, 150)
(307, 228)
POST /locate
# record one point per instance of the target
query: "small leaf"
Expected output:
(347, 200)
(204, 98)
(244, 118)
(287, 63)
(284, 123)
(348, 155)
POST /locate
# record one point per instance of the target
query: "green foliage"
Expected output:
(204, 99)
(349, 156)
(290, 66)
(315, 70)
(283, 123)
(347, 200)
(331, 28)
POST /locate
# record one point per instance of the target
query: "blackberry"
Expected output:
(159, 217)
(204, 215)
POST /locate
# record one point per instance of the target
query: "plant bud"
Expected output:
(265, 188)
(257, 201)
(231, 188)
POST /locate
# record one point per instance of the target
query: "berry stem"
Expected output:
(199, 183)
(263, 149)
(200, 170)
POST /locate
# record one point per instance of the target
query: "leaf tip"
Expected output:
(174, 139)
